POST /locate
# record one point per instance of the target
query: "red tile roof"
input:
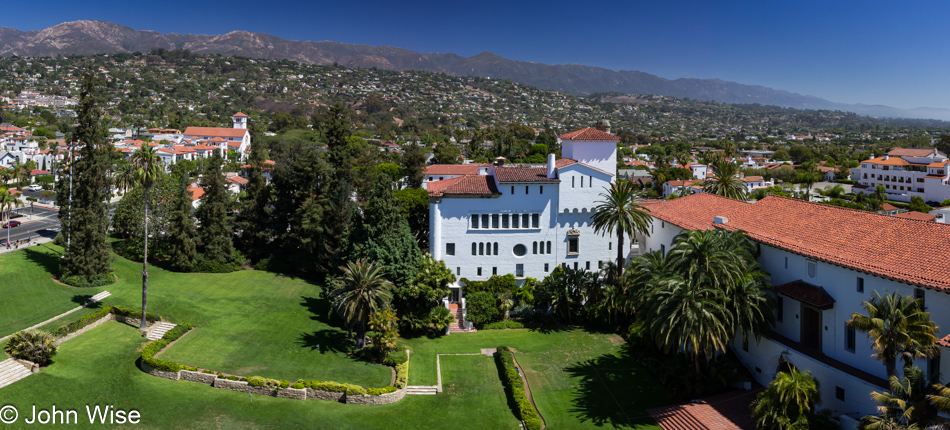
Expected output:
(910, 152)
(215, 131)
(471, 185)
(237, 180)
(864, 241)
(196, 192)
(523, 174)
(453, 169)
(938, 164)
(683, 183)
(589, 133)
(920, 216)
(807, 293)
(240, 115)
(891, 161)
(752, 179)
(727, 411)
(35, 172)
(887, 207)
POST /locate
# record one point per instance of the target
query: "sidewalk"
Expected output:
(37, 240)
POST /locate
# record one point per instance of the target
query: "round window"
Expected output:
(521, 250)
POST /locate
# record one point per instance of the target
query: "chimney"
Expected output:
(719, 219)
(885, 157)
(551, 173)
(872, 157)
(603, 125)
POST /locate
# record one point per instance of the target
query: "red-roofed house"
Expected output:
(824, 261)
(238, 133)
(441, 172)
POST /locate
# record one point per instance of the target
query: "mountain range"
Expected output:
(102, 37)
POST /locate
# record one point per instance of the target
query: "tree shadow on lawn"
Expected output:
(326, 341)
(83, 299)
(49, 261)
(614, 390)
(320, 308)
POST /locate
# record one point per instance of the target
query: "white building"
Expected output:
(525, 219)
(824, 262)
(441, 172)
(906, 173)
(236, 138)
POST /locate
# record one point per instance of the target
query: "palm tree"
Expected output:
(619, 211)
(364, 292)
(147, 169)
(788, 402)
(750, 303)
(124, 176)
(687, 315)
(718, 255)
(899, 327)
(34, 345)
(810, 177)
(16, 173)
(724, 181)
(7, 203)
(909, 403)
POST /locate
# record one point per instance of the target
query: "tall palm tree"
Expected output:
(687, 315)
(724, 181)
(750, 303)
(899, 327)
(147, 169)
(620, 212)
(364, 292)
(909, 403)
(16, 173)
(788, 402)
(717, 254)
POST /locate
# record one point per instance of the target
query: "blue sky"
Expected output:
(872, 52)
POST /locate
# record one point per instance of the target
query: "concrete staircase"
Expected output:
(98, 297)
(12, 371)
(159, 330)
(424, 390)
(456, 326)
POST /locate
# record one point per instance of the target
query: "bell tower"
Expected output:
(240, 121)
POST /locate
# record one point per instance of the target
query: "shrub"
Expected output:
(441, 318)
(211, 266)
(128, 313)
(148, 353)
(82, 322)
(481, 308)
(402, 374)
(396, 357)
(193, 369)
(81, 282)
(333, 386)
(499, 325)
(298, 385)
(515, 389)
(380, 391)
(34, 345)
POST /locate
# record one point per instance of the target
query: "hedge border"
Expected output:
(514, 389)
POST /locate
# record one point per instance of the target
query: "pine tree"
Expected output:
(214, 230)
(182, 228)
(384, 236)
(254, 216)
(85, 219)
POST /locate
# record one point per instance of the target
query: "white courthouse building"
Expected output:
(525, 219)
(824, 261)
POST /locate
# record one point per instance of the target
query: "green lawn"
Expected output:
(28, 295)
(259, 323)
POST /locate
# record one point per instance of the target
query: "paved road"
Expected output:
(42, 223)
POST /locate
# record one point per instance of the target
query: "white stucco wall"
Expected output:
(600, 154)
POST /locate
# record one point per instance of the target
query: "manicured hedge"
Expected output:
(402, 374)
(128, 313)
(82, 322)
(499, 325)
(148, 353)
(258, 381)
(515, 389)
(329, 386)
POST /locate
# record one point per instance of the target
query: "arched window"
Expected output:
(474, 248)
(549, 247)
(534, 248)
(496, 248)
(481, 249)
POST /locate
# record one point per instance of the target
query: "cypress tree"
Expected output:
(182, 228)
(254, 217)
(384, 236)
(87, 255)
(214, 230)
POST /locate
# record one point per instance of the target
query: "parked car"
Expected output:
(34, 187)
(11, 224)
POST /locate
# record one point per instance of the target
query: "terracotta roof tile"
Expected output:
(910, 152)
(453, 169)
(196, 192)
(807, 293)
(891, 161)
(215, 131)
(240, 115)
(472, 185)
(726, 411)
(523, 174)
(920, 216)
(864, 241)
(589, 133)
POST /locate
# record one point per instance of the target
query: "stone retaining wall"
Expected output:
(174, 376)
(244, 387)
(103, 320)
(135, 322)
(204, 378)
(334, 396)
(383, 399)
(293, 393)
